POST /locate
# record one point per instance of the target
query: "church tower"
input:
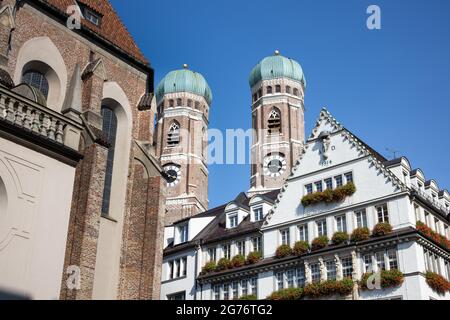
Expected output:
(278, 86)
(183, 99)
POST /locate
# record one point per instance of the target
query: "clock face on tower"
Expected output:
(274, 165)
(173, 173)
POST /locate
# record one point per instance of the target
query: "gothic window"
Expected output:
(274, 121)
(179, 102)
(110, 131)
(269, 90)
(295, 92)
(173, 137)
(36, 80)
(288, 90)
(278, 89)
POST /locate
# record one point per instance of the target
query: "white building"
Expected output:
(386, 192)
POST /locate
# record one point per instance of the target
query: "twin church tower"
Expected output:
(184, 100)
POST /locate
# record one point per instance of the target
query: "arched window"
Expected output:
(189, 103)
(278, 89)
(269, 90)
(197, 105)
(295, 92)
(179, 102)
(274, 121)
(36, 80)
(171, 103)
(173, 136)
(288, 89)
(110, 131)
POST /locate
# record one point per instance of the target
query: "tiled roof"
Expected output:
(216, 230)
(111, 28)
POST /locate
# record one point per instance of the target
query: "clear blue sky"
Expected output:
(390, 87)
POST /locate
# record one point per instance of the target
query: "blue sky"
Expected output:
(391, 87)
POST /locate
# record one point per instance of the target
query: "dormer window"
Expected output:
(90, 15)
(258, 214)
(233, 221)
(183, 233)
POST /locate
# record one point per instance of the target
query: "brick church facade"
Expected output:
(82, 188)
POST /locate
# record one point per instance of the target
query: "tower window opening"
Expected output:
(173, 137)
(259, 93)
(278, 89)
(275, 121)
(171, 103)
(189, 103)
(288, 90)
(269, 90)
(295, 92)
(197, 105)
(179, 102)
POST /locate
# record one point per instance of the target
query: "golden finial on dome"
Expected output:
(277, 53)
(185, 66)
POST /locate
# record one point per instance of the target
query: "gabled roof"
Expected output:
(111, 28)
(376, 158)
(216, 230)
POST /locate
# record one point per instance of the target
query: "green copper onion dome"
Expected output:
(277, 66)
(184, 80)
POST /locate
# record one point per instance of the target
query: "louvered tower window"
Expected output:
(275, 121)
(173, 137)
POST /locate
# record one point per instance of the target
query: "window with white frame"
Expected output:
(244, 287)
(183, 233)
(177, 296)
(315, 272)
(392, 258)
(417, 212)
(216, 292)
(235, 290)
(285, 237)
(331, 269)
(339, 181)
(322, 228)
(257, 244)
(383, 214)
(329, 183)
(226, 251)
(177, 268)
(254, 286)
(341, 223)
(240, 245)
(290, 278)
(303, 232)
(347, 267)
(301, 278)
(361, 218)
(233, 220)
(368, 263)
(226, 292)
(212, 254)
(280, 280)
(309, 188)
(258, 213)
(319, 186)
(437, 225)
(348, 177)
(427, 218)
(381, 263)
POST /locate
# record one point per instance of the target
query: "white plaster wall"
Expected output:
(186, 284)
(33, 229)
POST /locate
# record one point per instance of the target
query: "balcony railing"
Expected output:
(39, 120)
